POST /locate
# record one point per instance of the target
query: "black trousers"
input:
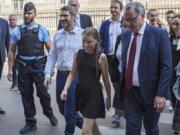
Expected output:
(1, 68)
(30, 73)
(116, 103)
(15, 76)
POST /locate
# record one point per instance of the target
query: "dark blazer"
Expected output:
(114, 73)
(154, 69)
(85, 21)
(4, 39)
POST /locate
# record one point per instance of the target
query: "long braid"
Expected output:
(98, 52)
(90, 31)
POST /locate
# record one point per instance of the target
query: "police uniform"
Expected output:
(31, 59)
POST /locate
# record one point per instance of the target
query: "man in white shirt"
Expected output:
(110, 29)
(66, 42)
(12, 26)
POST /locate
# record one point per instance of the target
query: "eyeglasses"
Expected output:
(131, 20)
(153, 15)
(73, 5)
(64, 15)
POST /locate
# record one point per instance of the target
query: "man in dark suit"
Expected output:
(4, 46)
(81, 20)
(146, 72)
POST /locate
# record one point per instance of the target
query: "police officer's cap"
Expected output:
(29, 6)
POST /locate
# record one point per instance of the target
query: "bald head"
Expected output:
(73, 1)
(75, 4)
(12, 20)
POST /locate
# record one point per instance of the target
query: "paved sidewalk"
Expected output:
(13, 120)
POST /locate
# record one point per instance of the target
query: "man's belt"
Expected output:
(66, 72)
(32, 62)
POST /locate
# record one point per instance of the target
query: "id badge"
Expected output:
(175, 41)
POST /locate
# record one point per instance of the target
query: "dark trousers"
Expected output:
(176, 117)
(136, 111)
(28, 75)
(15, 76)
(67, 108)
(1, 68)
(116, 104)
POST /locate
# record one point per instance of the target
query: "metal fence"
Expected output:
(49, 19)
(163, 7)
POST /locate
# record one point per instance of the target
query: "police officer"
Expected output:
(30, 39)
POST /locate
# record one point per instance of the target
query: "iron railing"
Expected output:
(49, 19)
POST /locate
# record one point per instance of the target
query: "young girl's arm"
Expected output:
(69, 78)
(105, 75)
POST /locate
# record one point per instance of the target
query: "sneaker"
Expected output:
(116, 120)
(2, 111)
(53, 120)
(170, 108)
(18, 92)
(27, 129)
(13, 88)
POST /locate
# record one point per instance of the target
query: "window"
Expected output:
(63, 1)
(17, 4)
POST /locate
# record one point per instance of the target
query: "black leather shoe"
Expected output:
(53, 120)
(28, 129)
(2, 111)
(176, 133)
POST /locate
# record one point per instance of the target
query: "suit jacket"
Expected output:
(85, 21)
(4, 39)
(154, 68)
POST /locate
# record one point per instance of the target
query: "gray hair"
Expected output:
(136, 6)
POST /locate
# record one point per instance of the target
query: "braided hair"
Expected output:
(92, 32)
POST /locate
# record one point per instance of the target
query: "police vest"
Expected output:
(29, 43)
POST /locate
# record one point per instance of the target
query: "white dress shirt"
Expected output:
(135, 78)
(119, 57)
(65, 44)
(114, 31)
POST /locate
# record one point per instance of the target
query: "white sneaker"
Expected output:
(18, 92)
(170, 108)
(13, 88)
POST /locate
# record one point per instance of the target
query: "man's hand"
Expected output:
(63, 95)
(9, 75)
(159, 103)
(47, 82)
(52, 73)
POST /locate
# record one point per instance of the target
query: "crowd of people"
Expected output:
(138, 56)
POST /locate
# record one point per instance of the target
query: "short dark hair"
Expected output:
(151, 9)
(119, 2)
(170, 12)
(71, 10)
(29, 6)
